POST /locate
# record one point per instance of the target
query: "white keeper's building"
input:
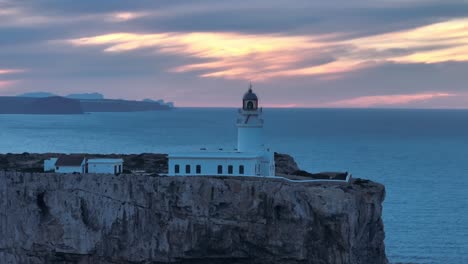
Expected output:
(251, 158)
(81, 164)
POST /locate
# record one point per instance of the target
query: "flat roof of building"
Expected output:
(216, 155)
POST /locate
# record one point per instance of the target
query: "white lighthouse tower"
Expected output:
(251, 158)
(250, 124)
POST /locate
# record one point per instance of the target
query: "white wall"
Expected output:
(104, 167)
(69, 169)
(268, 164)
(250, 139)
(49, 164)
(209, 166)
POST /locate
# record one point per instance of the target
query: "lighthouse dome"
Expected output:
(250, 100)
(249, 95)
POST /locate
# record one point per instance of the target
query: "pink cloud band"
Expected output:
(384, 100)
(266, 56)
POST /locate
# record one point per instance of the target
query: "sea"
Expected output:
(420, 155)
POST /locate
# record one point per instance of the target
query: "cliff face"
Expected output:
(53, 218)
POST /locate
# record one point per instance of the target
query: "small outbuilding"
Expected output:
(114, 166)
(70, 164)
(81, 164)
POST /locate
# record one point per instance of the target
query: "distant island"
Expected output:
(48, 103)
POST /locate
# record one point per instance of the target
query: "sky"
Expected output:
(296, 53)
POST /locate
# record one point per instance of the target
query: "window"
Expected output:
(230, 169)
(176, 169)
(250, 105)
(57, 168)
(198, 169)
(241, 169)
(187, 168)
(220, 169)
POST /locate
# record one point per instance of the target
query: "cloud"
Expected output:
(232, 55)
(4, 84)
(16, 17)
(25, 17)
(385, 100)
(125, 16)
(229, 55)
(10, 71)
(439, 42)
(5, 73)
(266, 56)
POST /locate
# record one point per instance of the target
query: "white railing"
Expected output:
(348, 178)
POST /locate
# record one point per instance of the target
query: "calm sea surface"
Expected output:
(420, 155)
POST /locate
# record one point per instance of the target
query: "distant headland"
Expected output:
(48, 103)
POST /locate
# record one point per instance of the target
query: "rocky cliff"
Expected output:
(56, 218)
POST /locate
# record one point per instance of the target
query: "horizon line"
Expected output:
(339, 108)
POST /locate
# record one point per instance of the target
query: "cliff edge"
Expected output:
(59, 218)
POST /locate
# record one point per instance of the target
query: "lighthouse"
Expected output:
(250, 158)
(250, 124)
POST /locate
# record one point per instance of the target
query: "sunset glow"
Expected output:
(440, 42)
(384, 100)
(4, 84)
(261, 57)
(300, 53)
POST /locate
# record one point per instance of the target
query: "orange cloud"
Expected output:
(384, 100)
(265, 56)
(228, 55)
(440, 42)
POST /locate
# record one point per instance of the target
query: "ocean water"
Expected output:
(420, 155)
